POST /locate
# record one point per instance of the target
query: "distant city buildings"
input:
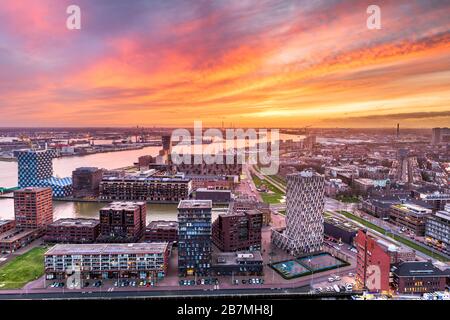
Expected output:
(86, 182)
(122, 222)
(194, 237)
(238, 231)
(440, 135)
(304, 220)
(165, 189)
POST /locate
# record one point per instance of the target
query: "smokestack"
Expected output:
(398, 130)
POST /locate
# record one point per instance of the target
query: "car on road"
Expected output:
(330, 279)
(337, 278)
(350, 274)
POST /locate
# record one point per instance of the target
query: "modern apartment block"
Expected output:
(70, 230)
(122, 222)
(161, 231)
(244, 203)
(33, 207)
(304, 220)
(86, 181)
(194, 237)
(152, 189)
(410, 216)
(238, 231)
(107, 261)
(372, 264)
(34, 166)
(437, 228)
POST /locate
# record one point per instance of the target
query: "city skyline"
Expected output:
(264, 64)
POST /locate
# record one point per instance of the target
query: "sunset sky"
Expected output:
(253, 63)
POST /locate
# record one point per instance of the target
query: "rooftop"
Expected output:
(108, 248)
(418, 269)
(162, 224)
(75, 222)
(232, 258)
(123, 205)
(195, 204)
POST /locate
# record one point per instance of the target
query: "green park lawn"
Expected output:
(274, 196)
(16, 273)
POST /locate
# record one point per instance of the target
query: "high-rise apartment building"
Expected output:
(34, 166)
(304, 220)
(122, 222)
(33, 207)
(194, 237)
(373, 263)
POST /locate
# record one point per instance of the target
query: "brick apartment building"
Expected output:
(69, 230)
(238, 231)
(418, 277)
(6, 225)
(122, 222)
(372, 264)
(161, 231)
(33, 207)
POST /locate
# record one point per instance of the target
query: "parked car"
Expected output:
(330, 279)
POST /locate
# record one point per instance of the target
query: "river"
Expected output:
(63, 167)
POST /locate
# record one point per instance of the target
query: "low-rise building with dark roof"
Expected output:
(418, 277)
(73, 230)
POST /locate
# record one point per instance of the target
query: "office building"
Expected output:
(86, 182)
(34, 166)
(162, 231)
(410, 216)
(304, 220)
(437, 229)
(194, 237)
(108, 261)
(238, 231)
(122, 222)
(71, 230)
(33, 208)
